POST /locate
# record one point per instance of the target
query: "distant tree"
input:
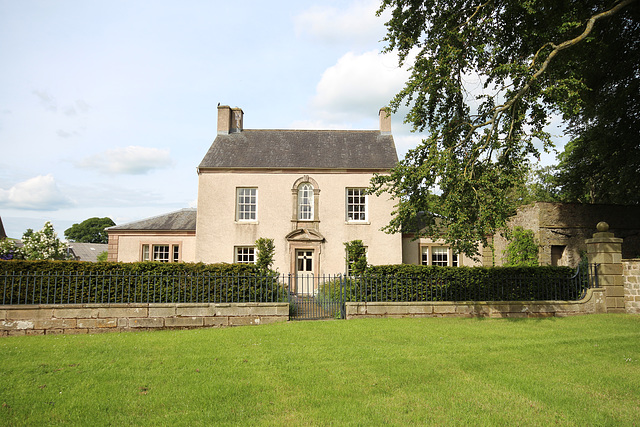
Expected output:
(102, 256)
(266, 250)
(90, 231)
(541, 186)
(522, 250)
(43, 244)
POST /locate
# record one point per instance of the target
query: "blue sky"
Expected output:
(107, 107)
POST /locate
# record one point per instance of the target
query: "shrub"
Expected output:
(522, 250)
(36, 282)
(432, 283)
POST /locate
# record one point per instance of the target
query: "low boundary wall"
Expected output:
(593, 302)
(98, 318)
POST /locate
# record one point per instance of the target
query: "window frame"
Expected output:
(241, 204)
(251, 252)
(306, 187)
(365, 206)
(150, 252)
(427, 255)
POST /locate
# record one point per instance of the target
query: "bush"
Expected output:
(432, 283)
(40, 282)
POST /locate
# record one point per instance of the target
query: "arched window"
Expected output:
(305, 202)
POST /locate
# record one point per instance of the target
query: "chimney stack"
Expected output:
(229, 120)
(385, 121)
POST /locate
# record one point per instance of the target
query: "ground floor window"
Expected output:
(245, 255)
(439, 255)
(161, 253)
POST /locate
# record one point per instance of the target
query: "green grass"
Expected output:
(569, 371)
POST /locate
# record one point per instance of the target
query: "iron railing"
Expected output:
(108, 288)
(310, 296)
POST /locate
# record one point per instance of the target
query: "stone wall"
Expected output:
(631, 275)
(566, 226)
(98, 318)
(593, 302)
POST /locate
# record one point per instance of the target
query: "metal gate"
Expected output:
(314, 297)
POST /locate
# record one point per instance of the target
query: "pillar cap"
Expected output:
(602, 227)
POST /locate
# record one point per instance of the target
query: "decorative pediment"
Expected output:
(305, 235)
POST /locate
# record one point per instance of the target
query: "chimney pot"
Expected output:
(236, 120)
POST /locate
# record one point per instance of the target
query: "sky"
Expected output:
(107, 107)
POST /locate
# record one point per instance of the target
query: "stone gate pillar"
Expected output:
(606, 250)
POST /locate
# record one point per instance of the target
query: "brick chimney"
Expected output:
(385, 121)
(229, 120)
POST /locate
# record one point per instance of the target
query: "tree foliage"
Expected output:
(522, 250)
(266, 251)
(526, 60)
(356, 257)
(90, 231)
(43, 244)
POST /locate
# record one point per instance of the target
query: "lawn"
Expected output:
(569, 371)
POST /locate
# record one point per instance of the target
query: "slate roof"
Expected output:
(183, 220)
(302, 149)
(87, 251)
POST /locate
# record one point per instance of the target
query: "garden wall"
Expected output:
(631, 278)
(593, 302)
(98, 318)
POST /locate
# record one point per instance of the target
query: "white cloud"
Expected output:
(358, 23)
(38, 193)
(356, 84)
(132, 160)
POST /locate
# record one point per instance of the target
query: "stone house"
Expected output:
(303, 188)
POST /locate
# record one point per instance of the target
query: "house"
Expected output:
(3, 234)
(85, 251)
(306, 189)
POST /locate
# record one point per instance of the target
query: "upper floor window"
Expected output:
(247, 204)
(356, 204)
(305, 202)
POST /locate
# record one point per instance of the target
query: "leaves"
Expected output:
(478, 147)
(90, 230)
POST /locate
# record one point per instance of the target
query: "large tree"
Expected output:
(486, 76)
(90, 231)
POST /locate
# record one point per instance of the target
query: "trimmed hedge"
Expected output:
(62, 282)
(431, 283)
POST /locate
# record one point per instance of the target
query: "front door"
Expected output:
(305, 283)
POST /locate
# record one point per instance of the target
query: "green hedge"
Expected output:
(431, 283)
(60, 282)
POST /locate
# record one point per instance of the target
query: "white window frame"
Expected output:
(152, 252)
(365, 205)
(427, 254)
(439, 256)
(305, 200)
(245, 255)
(242, 213)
